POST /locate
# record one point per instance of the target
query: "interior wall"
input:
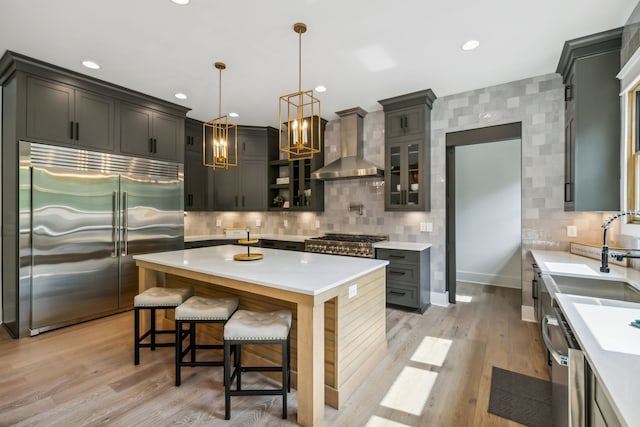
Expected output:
(488, 213)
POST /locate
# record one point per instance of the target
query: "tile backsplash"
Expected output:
(536, 102)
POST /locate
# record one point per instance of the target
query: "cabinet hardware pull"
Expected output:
(397, 273)
(397, 256)
(568, 197)
(77, 131)
(71, 130)
(397, 293)
(151, 145)
(534, 290)
(568, 92)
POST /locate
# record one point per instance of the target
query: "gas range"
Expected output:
(358, 245)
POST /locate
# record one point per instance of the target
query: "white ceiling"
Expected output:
(361, 50)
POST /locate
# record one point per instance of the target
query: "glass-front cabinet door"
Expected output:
(404, 179)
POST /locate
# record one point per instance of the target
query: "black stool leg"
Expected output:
(192, 340)
(136, 338)
(238, 361)
(178, 350)
(227, 381)
(153, 329)
(285, 363)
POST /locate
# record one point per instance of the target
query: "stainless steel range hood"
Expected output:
(352, 163)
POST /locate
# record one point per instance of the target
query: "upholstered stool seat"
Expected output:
(250, 327)
(153, 299)
(193, 311)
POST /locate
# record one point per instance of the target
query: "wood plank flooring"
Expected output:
(437, 372)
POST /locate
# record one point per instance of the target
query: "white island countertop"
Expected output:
(611, 346)
(301, 272)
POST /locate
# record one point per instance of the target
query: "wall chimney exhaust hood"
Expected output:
(352, 163)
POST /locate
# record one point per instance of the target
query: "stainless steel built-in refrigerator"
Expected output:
(83, 216)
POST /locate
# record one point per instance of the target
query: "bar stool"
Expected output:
(199, 310)
(153, 299)
(249, 327)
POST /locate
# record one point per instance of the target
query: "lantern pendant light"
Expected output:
(299, 116)
(219, 137)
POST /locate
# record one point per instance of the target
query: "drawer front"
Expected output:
(398, 257)
(402, 273)
(402, 295)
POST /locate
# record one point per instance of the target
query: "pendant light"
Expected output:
(299, 116)
(219, 137)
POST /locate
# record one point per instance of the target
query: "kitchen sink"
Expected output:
(597, 288)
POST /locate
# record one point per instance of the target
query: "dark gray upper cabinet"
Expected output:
(405, 122)
(59, 113)
(53, 105)
(198, 179)
(408, 151)
(149, 133)
(244, 187)
(589, 66)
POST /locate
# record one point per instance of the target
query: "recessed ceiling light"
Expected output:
(180, 95)
(91, 64)
(470, 45)
(181, 2)
(233, 114)
(321, 89)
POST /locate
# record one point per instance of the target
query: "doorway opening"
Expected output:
(483, 207)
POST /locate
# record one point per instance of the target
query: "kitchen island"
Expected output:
(338, 305)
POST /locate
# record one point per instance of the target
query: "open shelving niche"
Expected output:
(302, 193)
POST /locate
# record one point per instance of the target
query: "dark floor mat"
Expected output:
(520, 398)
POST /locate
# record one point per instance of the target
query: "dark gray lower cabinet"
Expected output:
(408, 277)
(207, 243)
(282, 244)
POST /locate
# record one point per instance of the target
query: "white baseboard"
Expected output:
(440, 299)
(489, 279)
(527, 313)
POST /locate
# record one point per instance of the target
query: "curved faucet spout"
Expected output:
(604, 265)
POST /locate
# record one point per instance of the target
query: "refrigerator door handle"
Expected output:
(125, 222)
(115, 231)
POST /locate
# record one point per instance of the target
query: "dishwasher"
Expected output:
(568, 397)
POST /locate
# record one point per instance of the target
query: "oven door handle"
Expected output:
(561, 358)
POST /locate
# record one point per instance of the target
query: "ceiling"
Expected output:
(361, 50)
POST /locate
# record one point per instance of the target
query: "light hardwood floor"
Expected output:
(437, 372)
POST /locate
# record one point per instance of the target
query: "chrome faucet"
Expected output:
(604, 266)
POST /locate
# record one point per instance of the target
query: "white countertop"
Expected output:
(302, 272)
(403, 246)
(568, 264)
(611, 346)
(283, 237)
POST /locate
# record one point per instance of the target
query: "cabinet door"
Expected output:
(252, 144)
(95, 120)
(253, 192)
(50, 108)
(195, 182)
(405, 122)
(135, 130)
(193, 138)
(405, 183)
(168, 136)
(225, 189)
